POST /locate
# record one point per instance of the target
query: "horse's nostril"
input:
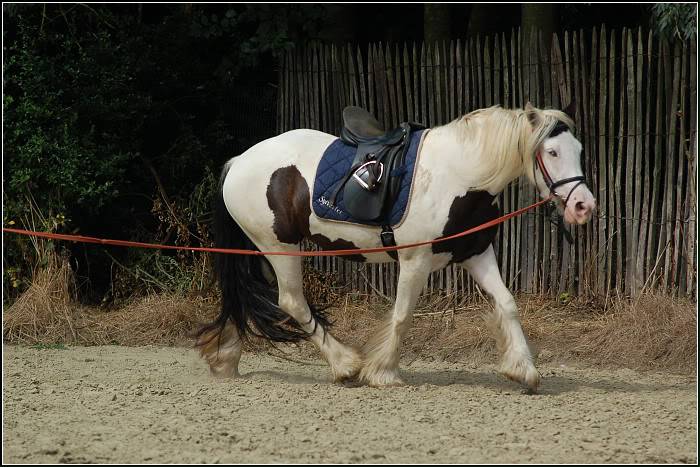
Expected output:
(580, 206)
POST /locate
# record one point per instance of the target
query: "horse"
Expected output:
(264, 203)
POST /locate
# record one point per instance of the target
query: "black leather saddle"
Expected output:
(373, 182)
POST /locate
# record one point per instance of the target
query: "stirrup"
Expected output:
(358, 176)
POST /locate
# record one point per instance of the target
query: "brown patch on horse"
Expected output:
(325, 243)
(288, 198)
(470, 210)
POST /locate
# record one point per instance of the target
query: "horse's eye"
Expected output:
(552, 153)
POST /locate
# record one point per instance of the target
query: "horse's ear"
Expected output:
(532, 115)
(570, 109)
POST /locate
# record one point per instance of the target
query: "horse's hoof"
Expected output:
(398, 382)
(346, 379)
(225, 373)
(531, 383)
(348, 367)
(523, 372)
(382, 379)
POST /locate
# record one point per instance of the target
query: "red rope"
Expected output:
(83, 239)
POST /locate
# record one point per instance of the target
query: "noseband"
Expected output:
(552, 185)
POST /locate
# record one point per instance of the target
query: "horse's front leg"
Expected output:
(382, 351)
(517, 361)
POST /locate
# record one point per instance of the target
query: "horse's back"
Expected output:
(302, 148)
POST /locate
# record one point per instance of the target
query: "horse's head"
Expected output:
(556, 168)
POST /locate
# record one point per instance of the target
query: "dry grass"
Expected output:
(155, 319)
(45, 313)
(655, 332)
(320, 287)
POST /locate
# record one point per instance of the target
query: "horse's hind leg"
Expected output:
(344, 360)
(517, 362)
(221, 350)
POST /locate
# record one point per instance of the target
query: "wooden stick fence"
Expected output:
(636, 118)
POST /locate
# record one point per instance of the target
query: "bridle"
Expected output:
(552, 185)
(560, 127)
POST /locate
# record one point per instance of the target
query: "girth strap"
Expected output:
(387, 236)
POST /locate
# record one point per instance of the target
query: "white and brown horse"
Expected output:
(266, 204)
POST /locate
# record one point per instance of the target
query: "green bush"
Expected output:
(113, 112)
(64, 145)
(676, 20)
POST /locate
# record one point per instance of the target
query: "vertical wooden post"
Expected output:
(691, 211)
(678, 221)
(603, 130)
(628, 181)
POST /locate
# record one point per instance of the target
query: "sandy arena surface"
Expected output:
(150, 404)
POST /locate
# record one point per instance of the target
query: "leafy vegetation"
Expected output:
(676, 20)
(118, 117)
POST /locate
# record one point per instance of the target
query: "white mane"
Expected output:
(505, 141)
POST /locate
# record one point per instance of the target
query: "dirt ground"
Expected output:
(116, 404)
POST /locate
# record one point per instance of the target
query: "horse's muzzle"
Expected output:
(580, 208)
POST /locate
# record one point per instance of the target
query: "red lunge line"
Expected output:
(80, 238)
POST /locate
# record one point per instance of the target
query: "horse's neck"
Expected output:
(464, 159)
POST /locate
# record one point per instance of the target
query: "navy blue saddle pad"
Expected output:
(336, 163)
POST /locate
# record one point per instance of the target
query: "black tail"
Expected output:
(248, 300)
